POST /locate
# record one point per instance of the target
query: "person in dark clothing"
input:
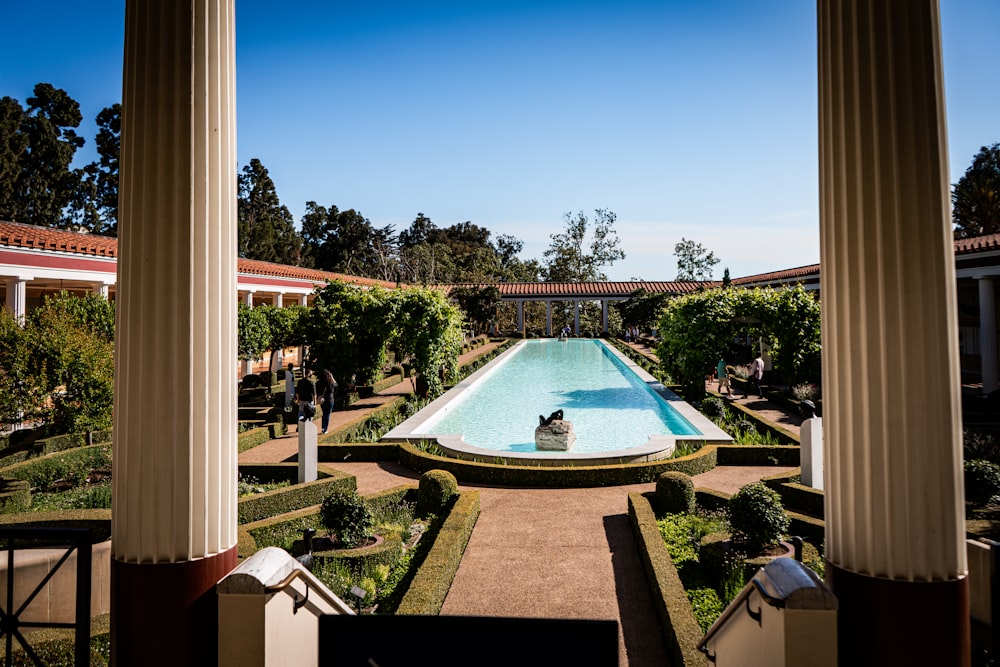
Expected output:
(325, 387)
(305, 394)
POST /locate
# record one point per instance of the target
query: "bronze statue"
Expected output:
(542, 421)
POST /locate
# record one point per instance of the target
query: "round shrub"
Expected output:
(756, 516)
(345, 514)
(982, 481)
(713, 407)
(435, 491)
(675, 491)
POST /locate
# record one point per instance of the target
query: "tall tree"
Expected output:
(347, 242)
(95, 207)
(567, 258)
(976, 197)
(694, 262)
(13, 145)
(265, 228)
(44, 184)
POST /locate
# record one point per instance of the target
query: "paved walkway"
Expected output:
(543, 553)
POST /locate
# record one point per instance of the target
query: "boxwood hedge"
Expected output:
(290, 498)
(681, 631)
(430, 586)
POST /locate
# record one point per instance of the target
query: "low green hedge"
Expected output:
(51, 445)
(710, 499)
(359, 559)
(799, 497)
(73, 465)
(15, 496)
(763, 425)
(347, 432)
(681, 632)
(258, 436)
(808, 528)
(430, 586)
(390, 497)
(474, 472)
(291, 498)
(390, 380)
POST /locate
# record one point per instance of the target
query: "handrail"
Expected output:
(305, 575)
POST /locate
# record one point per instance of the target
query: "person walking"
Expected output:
(723, 377)
(325, 387)
(757, 373)
(305, 395)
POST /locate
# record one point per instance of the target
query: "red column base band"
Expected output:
(888, 622)
(167, 613)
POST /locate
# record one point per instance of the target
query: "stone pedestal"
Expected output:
(811, 437)
(307, 451)
(556, 436)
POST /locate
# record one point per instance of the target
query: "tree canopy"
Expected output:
(694, 261)
(265, 230)
(976, 197)
(37, 145)
(578, 253)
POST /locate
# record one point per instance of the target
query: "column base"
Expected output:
(888, 622)
(167, 613)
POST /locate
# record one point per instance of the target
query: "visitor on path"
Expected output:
(723, 377)
(324, 389)
(757, 373)
(289, 387)
(305, 394)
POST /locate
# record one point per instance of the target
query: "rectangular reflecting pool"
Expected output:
(618, 411)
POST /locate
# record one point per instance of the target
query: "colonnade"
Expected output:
(576, 311)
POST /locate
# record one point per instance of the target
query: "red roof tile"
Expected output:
(595, 290)
(802, 273)
(977, 244)
(19, 235)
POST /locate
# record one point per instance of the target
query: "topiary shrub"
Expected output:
(756, 516)
(435, 491)
(345, 514)
(675, 491)
(713, 407)
(982, 481)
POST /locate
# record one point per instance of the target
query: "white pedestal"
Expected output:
(307, 451)
(811, 443)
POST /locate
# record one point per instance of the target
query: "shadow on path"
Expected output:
(639, 625)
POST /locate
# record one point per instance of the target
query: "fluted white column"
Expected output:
(548, 318)
(17, 296)
(988, 333)
(894, 500)
(102, 289)
(520, 316)
(248, 302)
(576, 317)
(604, 316)
(174, 527)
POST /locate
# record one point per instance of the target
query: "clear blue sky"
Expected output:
(687, 119)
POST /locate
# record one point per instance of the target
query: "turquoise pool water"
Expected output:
(610, 407)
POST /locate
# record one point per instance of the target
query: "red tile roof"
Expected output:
(802, 273)
(595, 290)
(977, 244)
(19, 235)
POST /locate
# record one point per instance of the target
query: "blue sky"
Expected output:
(687, 119)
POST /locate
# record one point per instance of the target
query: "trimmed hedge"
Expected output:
(799, 497)
(430, 586)
(15, 496)
(386, 553)
(347, 432)
(51, 445)
(710, 499)
(72, 464)
(258, 436)
(681, 632)
(763, 425)
(288, 499)
(435, 491)
(390, 380)
(474, 472)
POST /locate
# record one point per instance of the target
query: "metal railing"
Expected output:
(11, 623)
